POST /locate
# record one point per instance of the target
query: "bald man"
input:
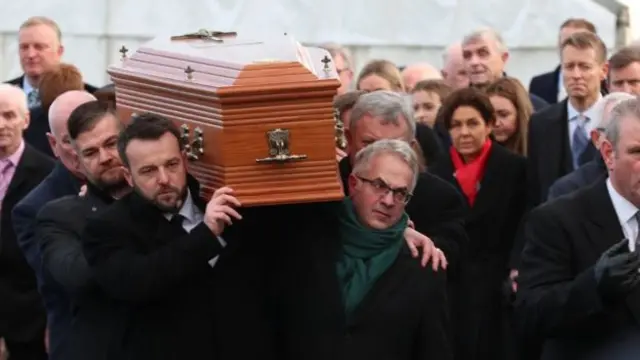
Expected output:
(414, 73)
(453, 71)
(65, 179)
(22, 168)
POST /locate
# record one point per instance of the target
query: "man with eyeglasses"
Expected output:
(591, 171)
(355, 291)
(437, 209)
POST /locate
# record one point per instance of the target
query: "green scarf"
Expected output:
(366, 254)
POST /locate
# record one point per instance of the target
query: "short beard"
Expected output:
(172, 210)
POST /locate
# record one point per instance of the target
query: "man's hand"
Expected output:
(417, 240)
(616, 271)
(219, 211)
(513, 275)
(340, 154)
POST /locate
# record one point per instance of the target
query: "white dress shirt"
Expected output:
(192, 218)
(591, 122)
(626, 212)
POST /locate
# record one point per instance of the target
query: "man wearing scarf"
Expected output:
(363, 295)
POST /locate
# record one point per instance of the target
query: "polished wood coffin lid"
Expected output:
(229, 95)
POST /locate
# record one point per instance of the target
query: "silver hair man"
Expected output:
(626, 108)
(486, 33)
(398, 148)
(17, 96)
(605, 106)
(388, 106)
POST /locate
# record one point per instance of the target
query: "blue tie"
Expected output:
(580, 140)
(33, 99)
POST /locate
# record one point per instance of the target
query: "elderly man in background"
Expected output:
(436, 209)
(485, 56)
(591, 171)
(22, 318)
(414, 73)
(453, 70)
(65, 179)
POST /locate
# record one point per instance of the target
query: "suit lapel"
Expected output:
(556, 144)
(27, 166)
(604, 231)
(603, 225)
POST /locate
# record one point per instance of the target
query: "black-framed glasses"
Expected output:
(381, 188)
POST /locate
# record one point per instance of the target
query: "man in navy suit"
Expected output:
(549, 86)
(65, 179)
(593, 170)
(485, 56)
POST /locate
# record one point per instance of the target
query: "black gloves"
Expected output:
(617, 271)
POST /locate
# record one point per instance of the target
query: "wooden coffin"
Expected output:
(256, 115)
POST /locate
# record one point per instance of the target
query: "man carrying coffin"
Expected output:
(353, 290)
(579, 276)
(437, 209)
(93, 130)
(188, 279)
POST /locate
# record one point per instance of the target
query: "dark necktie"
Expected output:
(176, 223)
(580, 140)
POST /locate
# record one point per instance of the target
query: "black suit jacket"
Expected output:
(19, 80)
(437, 210)
(549, 152)
(492, 225)
(583, 176)
(22, 315)
(546, 85)
(557, 297)
(404, 315)
(168, 301)
(59, 226)
(36, 134)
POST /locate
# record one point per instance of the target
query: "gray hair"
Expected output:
(387, 106)
(610, 100)
(621, 111)
(16, 96)
(398, 148)
(486, 33)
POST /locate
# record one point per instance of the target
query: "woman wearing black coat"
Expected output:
(492, 179)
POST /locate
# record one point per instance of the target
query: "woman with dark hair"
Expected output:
(492, 179)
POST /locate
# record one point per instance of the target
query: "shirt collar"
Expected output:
(15, 157)
(590, 113)
(624, 209)
(187, 209)
(26, 85)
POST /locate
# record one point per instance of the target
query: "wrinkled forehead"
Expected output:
(9, 105)
(391, 169)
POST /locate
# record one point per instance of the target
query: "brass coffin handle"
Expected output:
(278, 141)
(194, 148)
